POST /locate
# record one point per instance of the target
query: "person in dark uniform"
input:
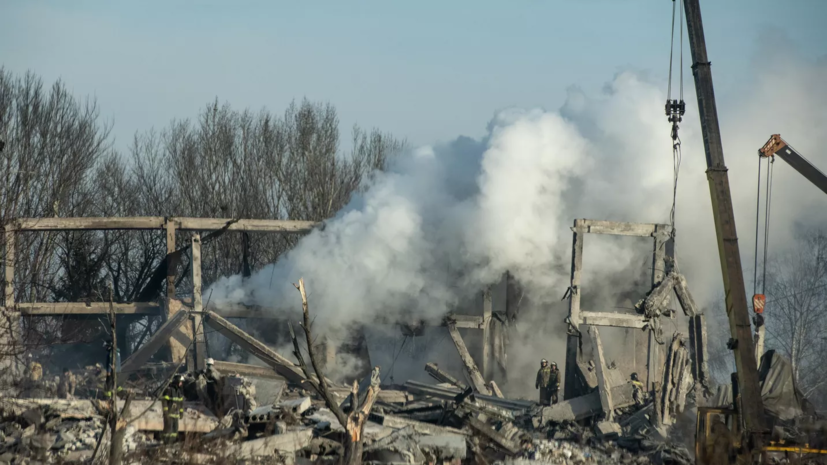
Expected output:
(214, 385)
(173, 405)
(109, 384)
(548, 381)
(554, 382)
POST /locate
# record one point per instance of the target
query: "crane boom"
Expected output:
(778, 146)
(752, 406)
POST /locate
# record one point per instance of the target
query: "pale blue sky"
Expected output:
(423, 69)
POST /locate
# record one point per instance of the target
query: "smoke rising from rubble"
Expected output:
(446, 220)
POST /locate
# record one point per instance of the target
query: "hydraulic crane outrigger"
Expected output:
(751, 406)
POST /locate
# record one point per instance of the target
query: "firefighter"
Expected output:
(638, 390)
(555, 382)
(109, 384)
(35, 370)
(214, 385)
(548, 382)
(66, 385)
(173, 408)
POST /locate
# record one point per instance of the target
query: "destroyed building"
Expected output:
(269, 409)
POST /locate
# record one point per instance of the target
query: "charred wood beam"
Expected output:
(142, 355)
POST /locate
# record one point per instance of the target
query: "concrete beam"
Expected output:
(281, 365)
(443, 377)
(603, 387)
(470, 366)
(618, 320)
(619, 228)
(8, 266)
(87, 308)
(159, 223)
(244, 369)
(699, 356)
(158, 340)
(580, 408)
(487, 362)
(199, 357)
(684, 297)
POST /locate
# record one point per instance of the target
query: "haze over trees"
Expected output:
(59, 160)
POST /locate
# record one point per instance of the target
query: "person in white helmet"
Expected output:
(548, 382)
(213, 377)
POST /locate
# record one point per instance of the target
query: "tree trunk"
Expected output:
(353, 452)
(118, 426)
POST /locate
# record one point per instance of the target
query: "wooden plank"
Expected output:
(619, 320)
(8, 273)
(87, 308)
(283, 366)
(470, 366)
(618, 228)
(487, 362)
(199, 357)
(602, 381)
(170, 226)
(158, 222)
(158, 340)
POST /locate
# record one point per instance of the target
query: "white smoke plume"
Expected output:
(447, 220)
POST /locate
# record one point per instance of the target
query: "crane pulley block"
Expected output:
(758, 302)
(773, 145)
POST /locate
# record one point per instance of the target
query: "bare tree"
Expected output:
(796, 310)
(353, 422)
(57, 161)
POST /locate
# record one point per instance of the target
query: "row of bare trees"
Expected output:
(59, 160)
(795, 315)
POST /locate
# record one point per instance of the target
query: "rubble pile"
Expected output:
(55, 432)
(412, 423)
